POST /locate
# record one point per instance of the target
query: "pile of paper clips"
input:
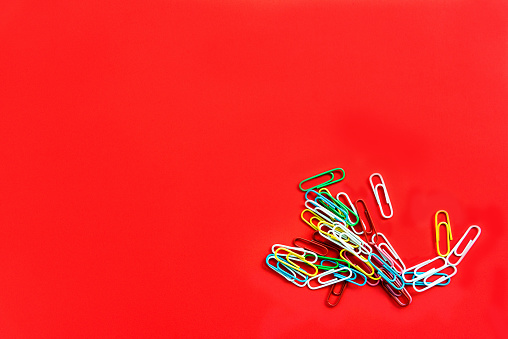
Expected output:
(337, 254)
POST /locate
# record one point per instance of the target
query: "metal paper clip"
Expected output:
(296, 249)
(300, 282)
(305, 243)
(462, 254)
(396, 294)
(363, 247)
(389, 253)
(384, 270)
(313, 220)
(321, 211)
(356, 274)
(422, 283)
(390, 290)
(336, 261)
(322, 283)
(337, 208)
(340, 235)
(422, 275)
(330, 181)
(286, 275)
(448, 232)
(444, 276)
(437, 281)
(376, 195)
(317, 236)
(338, 295)
(363, 261)
(351, 209)
(289, 274)
(322, 265)
(337, 238)
(343, 208)
(376, 278)
(292, 264)
(372, 229)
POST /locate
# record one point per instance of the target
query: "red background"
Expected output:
(150, 154)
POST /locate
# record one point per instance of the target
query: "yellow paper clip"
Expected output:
(310, 221)
(363, 260)
(291, 264)
(448, 232)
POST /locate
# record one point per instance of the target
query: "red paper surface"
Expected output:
(150, 155)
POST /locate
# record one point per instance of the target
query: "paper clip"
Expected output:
(437, 281)
(322, 266)
(321, 211)
(372, 229)
(329, 282)
(338, 295)
(317, 236)
(375, 282)
(343, 208)
(351, 210)
(313, 220)
(396, 294)
(289, 276)
(363, 261)
(356, 274)
(321, 250)
(389, 253)
(376, 195)
(277, 269)
(422, 283)
(330, 181)
(462, 254)
(296, 281)
(331, 204)
(387, 270)
(292, 264)
(363, 247)
(448, 232)
(422, 275)
(338, 239)
(343, 237)
(297, 249)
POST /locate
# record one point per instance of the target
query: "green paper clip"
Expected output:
(330, 181)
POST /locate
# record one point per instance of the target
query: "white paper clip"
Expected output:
(462, 254)
(352, 207)
(376, 194)
(321, 211)
(330, 282)
(437, 281)
(423, 275)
